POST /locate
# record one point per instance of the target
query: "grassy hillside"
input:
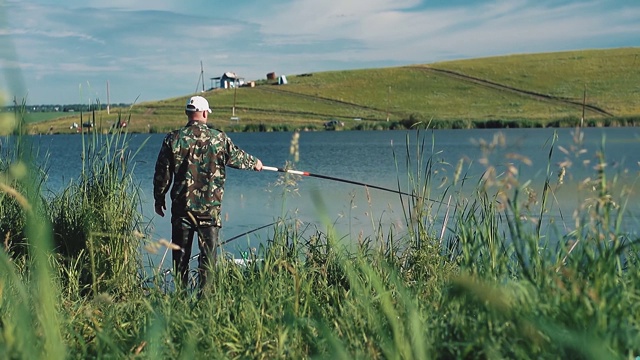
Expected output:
(35, 117)
(519, 90)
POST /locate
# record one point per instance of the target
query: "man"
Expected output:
(194, 158)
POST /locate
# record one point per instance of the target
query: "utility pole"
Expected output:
(202, 75)
(235, 95)
(200, 78)
(388, 100)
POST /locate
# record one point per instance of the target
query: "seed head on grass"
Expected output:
(561, 173)
(458, 171)
(16, 172)
(289, 182)
(168, 244)
(8, 124)
(532, 198)
(294, 149)
(162, 243)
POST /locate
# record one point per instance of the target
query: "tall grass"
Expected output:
(95, 219)
(30, 316)
(473, 276)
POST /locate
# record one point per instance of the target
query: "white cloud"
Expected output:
(156, 47)
(85, 68)
(318, 20)
(48, 34)
(395, 30)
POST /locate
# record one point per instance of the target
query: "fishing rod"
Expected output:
(194, 257)
(248, 232)
(305, 173)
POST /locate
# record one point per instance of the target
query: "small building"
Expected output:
(228, 80)
(271, 76)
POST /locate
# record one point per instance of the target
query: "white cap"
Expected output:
(198, 103)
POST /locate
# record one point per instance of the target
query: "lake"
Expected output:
(253, 199)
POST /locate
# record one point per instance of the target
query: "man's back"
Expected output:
(196, 156)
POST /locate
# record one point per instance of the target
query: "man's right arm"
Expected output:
(162, 177)
(240, 159)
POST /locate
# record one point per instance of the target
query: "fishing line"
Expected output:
(194, 257)
(320, 176)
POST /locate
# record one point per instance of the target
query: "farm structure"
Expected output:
(227, 80)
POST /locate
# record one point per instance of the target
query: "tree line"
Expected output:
(59, 108)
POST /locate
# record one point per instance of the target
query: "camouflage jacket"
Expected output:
(195, 158)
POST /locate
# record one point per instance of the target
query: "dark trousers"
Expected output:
(183, 230)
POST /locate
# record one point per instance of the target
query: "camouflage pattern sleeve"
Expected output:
(163, 172)
(238, 158)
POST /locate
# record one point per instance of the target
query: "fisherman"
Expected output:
(195, 158)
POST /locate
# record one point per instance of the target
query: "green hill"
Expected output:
(529, 90)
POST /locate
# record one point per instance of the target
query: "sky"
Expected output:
(66, 51)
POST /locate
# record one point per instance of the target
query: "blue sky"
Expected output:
(65, 51)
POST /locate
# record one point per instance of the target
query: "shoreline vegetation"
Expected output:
(586, 88)
(491, 280)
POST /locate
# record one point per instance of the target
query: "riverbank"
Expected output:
(135, 127)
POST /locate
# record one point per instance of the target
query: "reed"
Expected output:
(30, 314)
(96, 217)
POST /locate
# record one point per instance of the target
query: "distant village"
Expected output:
(59, 108)
(230, 80)
(227, 80)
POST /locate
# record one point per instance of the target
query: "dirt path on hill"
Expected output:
(449, 73)
(318, 116)
(502, 87)
(280, 90)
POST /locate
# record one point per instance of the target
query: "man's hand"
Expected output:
(160, 208)
(258, 166)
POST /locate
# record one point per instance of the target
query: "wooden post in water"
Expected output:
(388, 97)
(584, 104)
(108, 99)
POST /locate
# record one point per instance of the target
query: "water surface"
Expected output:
(253, 199)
